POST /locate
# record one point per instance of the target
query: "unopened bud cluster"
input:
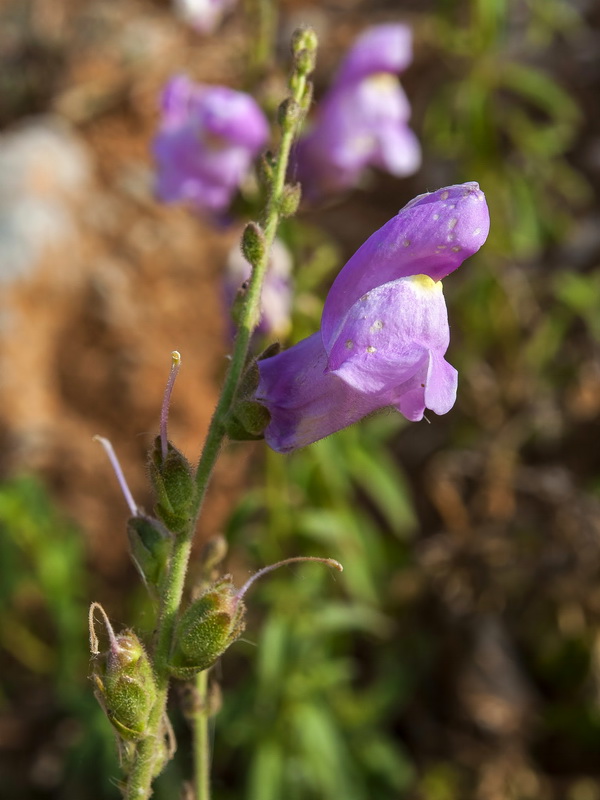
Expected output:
(304, 49)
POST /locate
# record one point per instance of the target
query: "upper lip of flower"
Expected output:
(431, 235)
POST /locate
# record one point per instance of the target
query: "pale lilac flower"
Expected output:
(203, 15)
(276, 300)
(384, 330)
(363, 120)
(206, 144)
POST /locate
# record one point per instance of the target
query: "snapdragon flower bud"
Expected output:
(216, 619)
(173, 482)
(124, 680)
(209, 626)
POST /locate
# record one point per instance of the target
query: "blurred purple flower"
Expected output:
(362, 121)
(206, 143)
(384, 329)
(203, 15)
(276, 301)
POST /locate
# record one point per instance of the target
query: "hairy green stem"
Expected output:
(200, 720)
(148, 750)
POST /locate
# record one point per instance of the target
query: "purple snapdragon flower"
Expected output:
(207, 141)
(203, 15)
(276, 298)
(384, 330)
(362, 121)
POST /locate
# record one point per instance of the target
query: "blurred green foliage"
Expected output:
(43, 631)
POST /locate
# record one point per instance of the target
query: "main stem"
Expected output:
(200, 719)
(147, 753)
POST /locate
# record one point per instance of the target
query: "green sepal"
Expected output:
(150, 544)
(173, 483)
(249, 381)
(270, 351)
(247, 421)
(125, 685)
(207, 628)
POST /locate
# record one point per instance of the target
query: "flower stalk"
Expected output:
(171, 588)
(200, 718)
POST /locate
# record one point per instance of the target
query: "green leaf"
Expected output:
(266, 771)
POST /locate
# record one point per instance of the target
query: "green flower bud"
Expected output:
(305, 61)
(150, 545)
(290, 199)
(304, 39)
(211, 623)
(173, 483)
(288, 113)
(125, 685)
(253, 243)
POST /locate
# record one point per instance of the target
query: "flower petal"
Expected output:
(388, 333)
(441, 384)
(382, 48)
(399, 150)
(304, 402)
(432, 235)
(207, 140)
(433, 386)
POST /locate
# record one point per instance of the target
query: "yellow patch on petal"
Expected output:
(426, 283)
(383, 82)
